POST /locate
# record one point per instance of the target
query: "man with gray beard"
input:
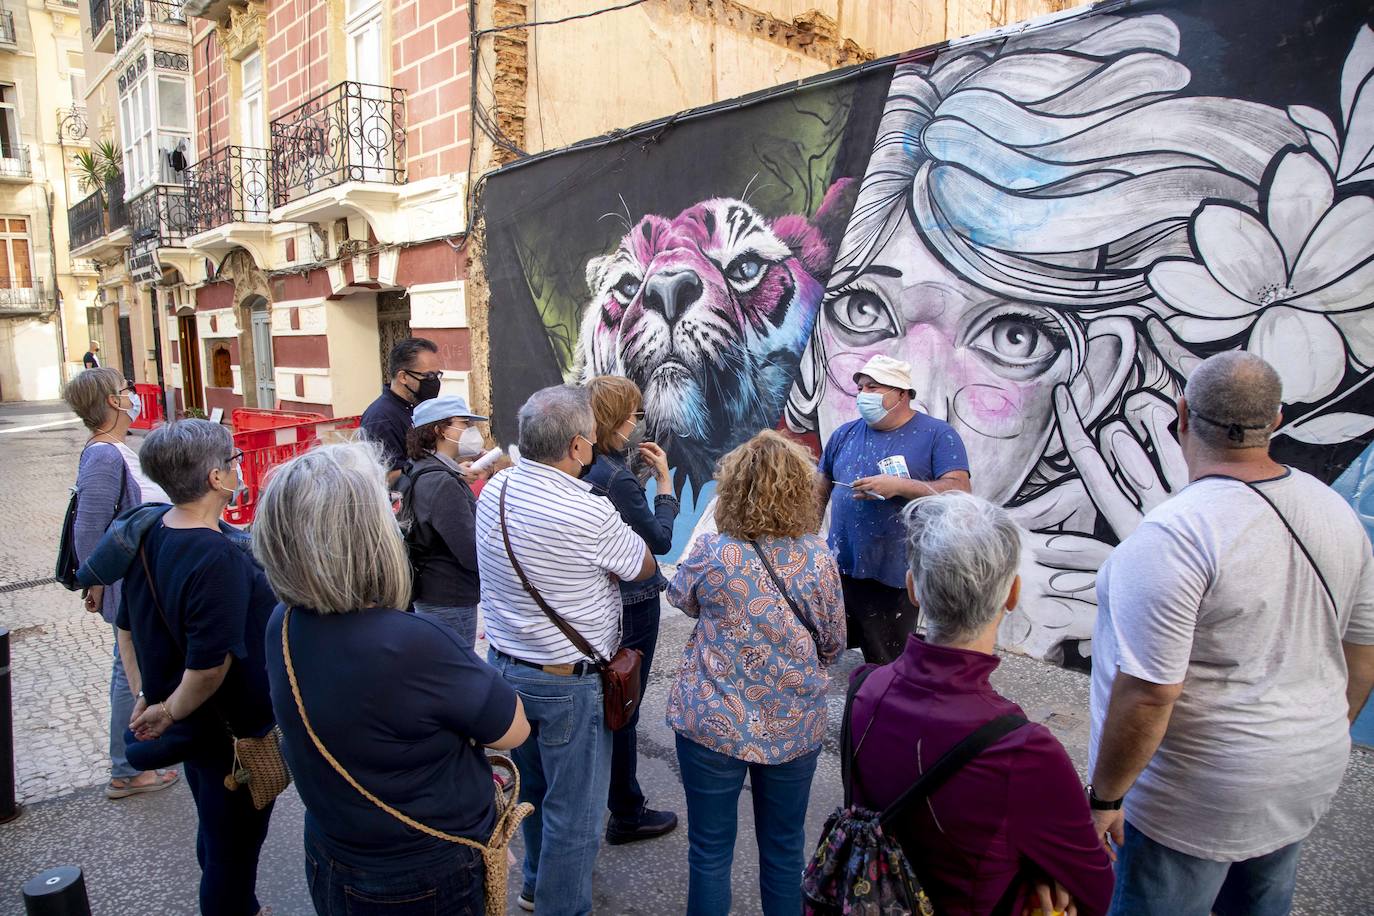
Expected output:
(1234, 646)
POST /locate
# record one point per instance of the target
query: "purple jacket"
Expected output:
(1014, 812)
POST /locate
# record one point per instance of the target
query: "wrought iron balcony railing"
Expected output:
(7, 35)
(100, 16)
(16, 164)
(350, 132)
(86, 220)
(115, 207)
(22, 294)
(230, 186)
(130, 15)
(160, 217)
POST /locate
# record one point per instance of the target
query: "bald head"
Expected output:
(1233, 399)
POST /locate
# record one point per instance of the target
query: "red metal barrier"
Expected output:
(258, 428)
(152, 413)
(258, 461)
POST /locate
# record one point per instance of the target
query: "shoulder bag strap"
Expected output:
(574, 637)
(157, 603)
(952, 762)
(773, 574)
(1335, 608)
(338, 767)
(847, 751)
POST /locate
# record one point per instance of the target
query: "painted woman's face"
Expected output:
(986, 365)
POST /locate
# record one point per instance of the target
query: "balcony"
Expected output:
(131, 15)
(8, 39)
(340, 154)
(159, 218)
(16, 166)
(102, 34)
(229, 202)
(97, 225)
(21, 295)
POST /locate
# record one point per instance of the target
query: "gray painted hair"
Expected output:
(550, 419)
(325, 533)
(963, 552)
(1234, 397)
(180, 456)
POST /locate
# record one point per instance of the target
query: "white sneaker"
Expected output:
(525, 903)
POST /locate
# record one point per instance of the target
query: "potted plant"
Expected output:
(98, 166)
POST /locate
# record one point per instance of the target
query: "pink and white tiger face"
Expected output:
(708, 313)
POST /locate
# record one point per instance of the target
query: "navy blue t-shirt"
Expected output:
(386, 422)
(867, 534)
(405, 708)
(216, 601)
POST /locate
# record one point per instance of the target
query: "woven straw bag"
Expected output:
(509, 811)
(258, 764)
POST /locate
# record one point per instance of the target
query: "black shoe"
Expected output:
(648, 825)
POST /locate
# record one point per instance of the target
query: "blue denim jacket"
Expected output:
(115, 553)
(610, 477)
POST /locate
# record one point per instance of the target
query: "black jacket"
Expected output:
(446, 573)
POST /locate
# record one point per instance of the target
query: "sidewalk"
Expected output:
(139, 853)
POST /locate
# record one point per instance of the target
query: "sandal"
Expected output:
(165, 779)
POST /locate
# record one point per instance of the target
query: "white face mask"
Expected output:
(135, 408)
(238, 489)
(469, 443)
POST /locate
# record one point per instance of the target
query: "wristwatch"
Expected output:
(1100, 804)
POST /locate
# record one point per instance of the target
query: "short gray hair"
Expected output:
(1236, 396)
(325, 533)
(180, 456)
(550, 419)
(963, 552)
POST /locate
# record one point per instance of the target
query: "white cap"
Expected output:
(888, 371)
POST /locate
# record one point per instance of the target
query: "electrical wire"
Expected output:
(587, 15)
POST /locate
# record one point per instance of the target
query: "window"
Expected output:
(154, 122)
(9, 122)
(250, 106)
(365, 42)
(76, 77)
(16, 270)
(221, 368)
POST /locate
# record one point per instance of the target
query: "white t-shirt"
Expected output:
(152, 493)
(1211, 591)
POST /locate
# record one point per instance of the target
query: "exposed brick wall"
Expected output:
(297, 53)
(212, 93)
(430, 61)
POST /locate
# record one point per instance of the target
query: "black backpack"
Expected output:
(67, 563)
(859, 868)
(418, 537)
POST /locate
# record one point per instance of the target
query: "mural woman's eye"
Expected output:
(1022, 342)
(626, 289)
(744, 269)
(861, 315)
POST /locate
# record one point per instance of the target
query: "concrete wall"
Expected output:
(28, 360)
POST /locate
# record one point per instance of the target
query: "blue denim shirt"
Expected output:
(115, 553)
(610, 477)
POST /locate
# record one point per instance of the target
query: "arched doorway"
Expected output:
(264, 373)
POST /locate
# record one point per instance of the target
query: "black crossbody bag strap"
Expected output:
(574, 637)
(1335, 608)
(773, 574)
(952, 762)
(847, 749)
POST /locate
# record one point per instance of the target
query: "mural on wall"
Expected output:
(1051, 225)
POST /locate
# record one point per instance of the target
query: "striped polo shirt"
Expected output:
(568, 541)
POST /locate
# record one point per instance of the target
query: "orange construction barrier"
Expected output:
(283, 442)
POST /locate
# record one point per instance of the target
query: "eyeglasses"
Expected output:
(236, 457)
(437, 373)
(639, 415)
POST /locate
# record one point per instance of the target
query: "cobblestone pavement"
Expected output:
(61, 671)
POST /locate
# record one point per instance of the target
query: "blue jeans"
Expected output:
(229, 835)
(341, 890)
(1153, 879)
(121, 710)
(781, 791)
(639, 630)
(565, 771)
(462, 620)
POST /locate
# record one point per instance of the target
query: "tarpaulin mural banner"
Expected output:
(1051, 223)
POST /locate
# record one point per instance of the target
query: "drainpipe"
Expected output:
(57, 290)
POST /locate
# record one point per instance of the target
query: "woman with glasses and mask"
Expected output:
(109, 480)
(443, 546)
(617, 405)
(191, 627)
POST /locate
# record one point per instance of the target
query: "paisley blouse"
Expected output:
(752, 681)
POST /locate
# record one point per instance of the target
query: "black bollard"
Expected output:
(57, 892)
(8, 810)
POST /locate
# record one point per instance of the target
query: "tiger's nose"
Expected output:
(672, 293)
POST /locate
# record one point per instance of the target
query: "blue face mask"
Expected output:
(871, 407)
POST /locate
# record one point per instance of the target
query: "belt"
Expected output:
(568, 669)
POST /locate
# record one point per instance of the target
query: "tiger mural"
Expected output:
(708, 312)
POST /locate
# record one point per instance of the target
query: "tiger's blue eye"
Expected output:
(744, 268)
(627, 287)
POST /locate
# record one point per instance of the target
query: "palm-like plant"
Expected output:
(98, 166)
